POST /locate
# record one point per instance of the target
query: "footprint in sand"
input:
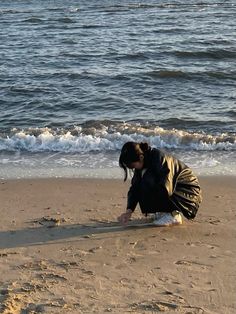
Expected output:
(52, 277)
(196, 244)
(154, 306)
(192, 263)
(12, 300)
(35, 265)
(213, 221)
(69, 265)
(161, 306)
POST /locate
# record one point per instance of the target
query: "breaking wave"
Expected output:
(104, 138)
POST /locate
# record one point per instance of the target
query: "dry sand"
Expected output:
(60, 254)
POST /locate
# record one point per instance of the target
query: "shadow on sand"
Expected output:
(42, 235)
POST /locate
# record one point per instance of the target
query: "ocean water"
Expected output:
(78, 79)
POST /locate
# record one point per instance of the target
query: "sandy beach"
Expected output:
(62, 251)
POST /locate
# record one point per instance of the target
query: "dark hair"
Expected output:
(131, 152)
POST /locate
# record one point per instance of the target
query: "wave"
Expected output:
(92, 137)
(153, 74)
(33, 20)
(195, 125)
(91, 26)
(15, 11)
(27, 90)
(231, 75)
(167, 74)
(212, 54)
(65, 20)
(231, 114)
(132, 56)
(177, 6)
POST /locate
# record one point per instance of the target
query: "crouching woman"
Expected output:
(161, 184)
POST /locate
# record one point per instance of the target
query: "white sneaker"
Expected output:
(169, 219)
(158, 215)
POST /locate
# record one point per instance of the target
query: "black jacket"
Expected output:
(167, 185)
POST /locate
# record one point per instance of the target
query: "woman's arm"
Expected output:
(132, 199)
(133, 193)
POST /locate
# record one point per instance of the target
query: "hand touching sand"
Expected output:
(125, 217)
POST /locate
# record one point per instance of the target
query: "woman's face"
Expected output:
(137, 165)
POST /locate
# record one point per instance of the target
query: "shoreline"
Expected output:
(110, 178)
(61, 250)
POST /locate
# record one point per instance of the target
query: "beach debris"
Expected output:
(50, 222)
(88, 209)
(94, 249)
(5, 254)
(133, 244)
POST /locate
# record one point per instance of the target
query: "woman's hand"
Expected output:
(125, 217)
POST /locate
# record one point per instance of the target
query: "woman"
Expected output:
(161, 184)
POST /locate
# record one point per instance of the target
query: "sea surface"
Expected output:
(78, 79)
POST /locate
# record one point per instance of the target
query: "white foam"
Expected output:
(105, 139)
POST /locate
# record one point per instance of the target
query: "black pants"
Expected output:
(152, 201)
